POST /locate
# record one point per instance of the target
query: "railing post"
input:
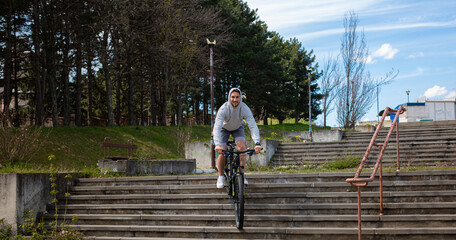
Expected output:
(397, 143)
(381, 187)
(359, 212)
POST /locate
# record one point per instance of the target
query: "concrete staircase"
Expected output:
(420, 144)
(418, 205)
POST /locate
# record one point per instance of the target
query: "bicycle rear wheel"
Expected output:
(239, 194)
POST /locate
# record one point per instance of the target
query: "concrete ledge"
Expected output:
(201, 151)
(317, 136)
(134, 167)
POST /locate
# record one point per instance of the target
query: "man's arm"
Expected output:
(254, 131)
(219, 118)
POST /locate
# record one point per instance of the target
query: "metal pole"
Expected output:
(310, 108)
(359, 213)
(377, 108)
(211, 64)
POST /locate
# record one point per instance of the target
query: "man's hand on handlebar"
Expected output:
(258, 148)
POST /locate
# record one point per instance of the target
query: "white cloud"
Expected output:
(410, 26)
(386, 51)
(370, 60)
(415, 55)
(451, 95)
(435, 91)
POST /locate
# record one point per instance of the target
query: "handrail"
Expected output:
(358, 182)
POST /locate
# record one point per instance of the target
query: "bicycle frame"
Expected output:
(232, 166)
(235, 180)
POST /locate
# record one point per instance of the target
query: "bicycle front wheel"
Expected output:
(239, 195)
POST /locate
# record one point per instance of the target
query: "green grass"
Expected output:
(78, 149)
(276, 131)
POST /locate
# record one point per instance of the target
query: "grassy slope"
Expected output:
(78, 148)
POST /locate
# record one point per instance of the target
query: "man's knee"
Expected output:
(240, 145)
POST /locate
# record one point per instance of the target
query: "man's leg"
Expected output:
(221, 164)
(241, 147)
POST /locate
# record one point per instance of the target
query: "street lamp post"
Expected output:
(309, 69)
(211, 64)
(408, 92)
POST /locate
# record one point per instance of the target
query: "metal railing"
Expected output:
(362, 182)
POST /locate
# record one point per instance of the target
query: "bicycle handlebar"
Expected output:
(250, 152)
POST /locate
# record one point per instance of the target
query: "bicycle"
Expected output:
(235, 180)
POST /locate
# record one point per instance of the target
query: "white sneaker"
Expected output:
(245, 181)
(221, 182)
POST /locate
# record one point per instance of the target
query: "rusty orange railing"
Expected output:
(362, 182)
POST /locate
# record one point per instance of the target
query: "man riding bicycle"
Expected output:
(229, 121)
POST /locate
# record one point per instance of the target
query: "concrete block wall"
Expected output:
(31, 191)
(317, 136)
(134, 167)
(201, 151)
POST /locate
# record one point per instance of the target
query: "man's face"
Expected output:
(235, 98)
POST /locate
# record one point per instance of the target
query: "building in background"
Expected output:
(429, 110)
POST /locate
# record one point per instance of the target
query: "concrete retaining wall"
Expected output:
(157, 167)
(201, 151)
(317, 136)
(19, 192)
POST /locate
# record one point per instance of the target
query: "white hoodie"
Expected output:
(231, 118)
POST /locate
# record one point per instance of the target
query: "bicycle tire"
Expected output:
(239, 197)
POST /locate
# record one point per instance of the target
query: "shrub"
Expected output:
(18, 144)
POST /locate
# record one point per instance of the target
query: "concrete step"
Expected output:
(267, 198)
(364, 144)
(260, 178)
(436, 220)
(388, 161)
(264, 209)
(264, 232)
(303, 187)
(403, 132)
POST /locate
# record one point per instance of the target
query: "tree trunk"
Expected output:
(90, 80)
(196, 112)
(16, 66)
(118, 97)
(152, 107)
(65, 78)
(118, 81)
(104, 62)
(53, 84)
(179, 108)
(78, 117)
(165, 95)
(130, 95)
(141, 103)
(36, 64)
(51, 68)
(8, 60)
(152, 91)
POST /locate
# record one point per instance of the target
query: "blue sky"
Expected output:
(416, 37)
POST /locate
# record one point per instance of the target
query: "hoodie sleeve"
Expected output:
(248, 116)
(220, 117)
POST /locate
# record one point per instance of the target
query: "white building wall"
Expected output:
(437, 110)
(441, 110)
